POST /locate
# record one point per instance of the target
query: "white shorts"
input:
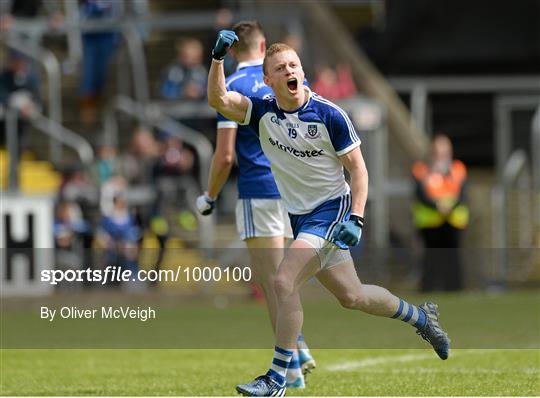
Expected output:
(257, 218)
(329, 254)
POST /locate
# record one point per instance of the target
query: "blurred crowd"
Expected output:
(128, 193)
(124, 197)
(120, 198)
(138, 190)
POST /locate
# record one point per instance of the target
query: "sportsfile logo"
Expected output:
(295, 152)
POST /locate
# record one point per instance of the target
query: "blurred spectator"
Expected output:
(175, 159)
(114, 186)
(140, 169)
(224, 18)
(118, 234)
(72, 236)
(70, 226)
(334, 84)
(106, 164)
(19, 89)
(440, 214)
(81, 196)
(99, 48)
(11, 10)
(293, 40)
(173, 175)
(186, 77)
(139, 163)
(139, 166)
(77, 187)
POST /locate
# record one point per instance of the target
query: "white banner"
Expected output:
(26, 244)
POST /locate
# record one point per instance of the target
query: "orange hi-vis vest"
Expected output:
(445, 188)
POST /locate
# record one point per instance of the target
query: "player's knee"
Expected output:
(268, 283)
(283, 287)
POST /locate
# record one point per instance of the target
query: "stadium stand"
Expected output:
(488, 118)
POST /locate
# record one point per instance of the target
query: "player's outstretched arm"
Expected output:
(230, 104)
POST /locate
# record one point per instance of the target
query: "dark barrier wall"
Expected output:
(460, 36)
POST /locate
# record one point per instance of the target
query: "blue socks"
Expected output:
(411, 314)
(280, 364)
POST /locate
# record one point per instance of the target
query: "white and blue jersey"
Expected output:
(255, 180)
(303, 147)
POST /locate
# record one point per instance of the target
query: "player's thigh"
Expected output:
(266, 254)
(342, 281)
(300, 263)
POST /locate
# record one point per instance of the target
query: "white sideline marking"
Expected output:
(368, 362)
(364, 363)
(447, 371)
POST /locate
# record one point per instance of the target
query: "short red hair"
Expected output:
(273, 50)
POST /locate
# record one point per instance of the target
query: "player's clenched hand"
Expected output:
(349, 232)
(205, 204)
(226, 39)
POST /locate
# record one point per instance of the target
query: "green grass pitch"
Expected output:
(495, 351)
(215, 372)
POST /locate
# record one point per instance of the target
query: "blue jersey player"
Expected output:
(261, 219)
(308, 141)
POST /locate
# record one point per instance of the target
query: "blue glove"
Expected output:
(226, 39)
(349, 232)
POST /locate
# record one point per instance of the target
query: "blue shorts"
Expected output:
(323, 219)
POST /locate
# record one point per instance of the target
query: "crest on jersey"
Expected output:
(312, 131)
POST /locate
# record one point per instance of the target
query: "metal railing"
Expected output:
(129, 28)
(65, 136)
(51, 128)
(467, 84)
(503, 107)
(505, 102)
(73, 35)
(50, 64)
(12, 143)
(535, 149)
(516, 173)
(135, 49)
(421, 87)
(151, 115)
(186, 109)
(376, 153)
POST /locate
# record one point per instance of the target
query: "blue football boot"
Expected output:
(299, 382)
(432, 331)
(262, 386)
(307, 363)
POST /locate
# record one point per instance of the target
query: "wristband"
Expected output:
(207, 197)
(358, 220)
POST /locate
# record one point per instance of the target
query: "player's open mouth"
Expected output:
(292, 84)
